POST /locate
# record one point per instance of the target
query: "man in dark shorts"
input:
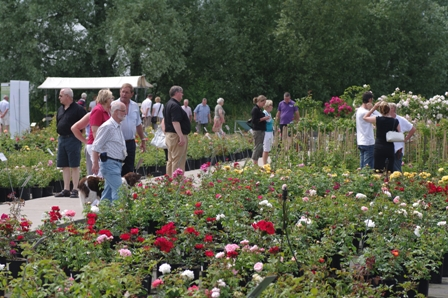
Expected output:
(69, 147)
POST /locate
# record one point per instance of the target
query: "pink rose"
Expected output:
(364, 208)
(397, 200)
(258, 266)
(70, 213)
(156, 283)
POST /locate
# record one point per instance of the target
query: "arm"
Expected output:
(80, 125)
(163, 125)
(410, 134)
(142, 137)
(371, 119)
(95, 165)
(195, 117)
(179, 133)
(296, 116)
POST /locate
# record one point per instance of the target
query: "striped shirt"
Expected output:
(109, 138)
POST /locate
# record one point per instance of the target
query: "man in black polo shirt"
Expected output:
(176, 126)
(69, 147)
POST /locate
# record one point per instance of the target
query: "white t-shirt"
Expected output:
(146, 105)
(157, 107)
(364, 129)
(405, 126)
(92, 104)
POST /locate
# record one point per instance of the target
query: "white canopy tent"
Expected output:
(94, 83)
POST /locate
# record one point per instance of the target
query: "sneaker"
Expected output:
(74, 194)
(64, 193)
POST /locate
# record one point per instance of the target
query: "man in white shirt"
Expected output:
(365, 137)
(4, 114)
(131, 125)
(405, 126)
(187, 110)
(146, 109)
(109, 146)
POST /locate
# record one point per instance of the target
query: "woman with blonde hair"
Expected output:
(219, 119)
(269, 134)
(258, 126)
(383, 149)
(99, 114)
(157, 113)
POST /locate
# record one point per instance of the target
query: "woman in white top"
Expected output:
(157, 111)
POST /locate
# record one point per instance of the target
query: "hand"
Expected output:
(143, 146)
(95, 168)
(181, 140)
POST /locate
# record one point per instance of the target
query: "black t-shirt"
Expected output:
(66, 118)
(383, 125)
(174, 112)
(257, 114)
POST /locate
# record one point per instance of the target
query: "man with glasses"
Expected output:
(110, 148)
(176, 126)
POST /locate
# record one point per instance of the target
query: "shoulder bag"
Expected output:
(394, 136)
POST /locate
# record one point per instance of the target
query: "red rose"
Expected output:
(209, 253)
(199, 246)
(199, 212)
(20, 237)
(140, 239)
(105, 232)
(274, 250)
(198, 204)
(232, 254)
(40, 232)
(163, 244)
(134, 231)
(208, 238)
(134, 195)
(125, 236)
(55, 208)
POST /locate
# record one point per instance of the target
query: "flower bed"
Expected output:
(338, 233)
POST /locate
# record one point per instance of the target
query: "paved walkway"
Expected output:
(35, 209)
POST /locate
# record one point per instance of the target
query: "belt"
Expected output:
(119, 160)
(67, 136)
(131, 140)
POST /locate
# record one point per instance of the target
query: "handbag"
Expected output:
(159, 139)
(249, 123)
(154, 119)
(394, 136)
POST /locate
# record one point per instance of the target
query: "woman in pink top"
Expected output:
(99, 114)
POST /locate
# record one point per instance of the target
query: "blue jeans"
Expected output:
(366, 156)
(398, 160)
(111, 171)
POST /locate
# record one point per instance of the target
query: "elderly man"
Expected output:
(146, 109)
(69, 147)
(187, 109)
(130, 125)
(4, 114)
(405, 126)
(110, 147)
(82, 100)
(202, 116)
(176, 126)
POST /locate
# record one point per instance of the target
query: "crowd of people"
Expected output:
(112, 126)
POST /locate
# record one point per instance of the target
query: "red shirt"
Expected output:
(97, 117)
